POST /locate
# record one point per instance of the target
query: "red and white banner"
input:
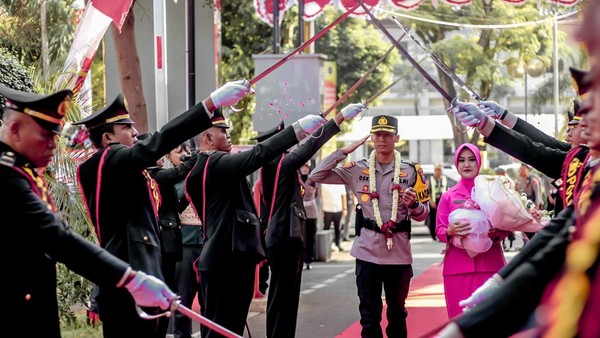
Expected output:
(96, 19)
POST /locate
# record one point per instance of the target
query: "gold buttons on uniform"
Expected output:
(247, 220)
(28, 296)
(145, 238)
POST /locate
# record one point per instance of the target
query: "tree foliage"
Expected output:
(13, 74)
(20, 30)
(479, 55)
(353, 44)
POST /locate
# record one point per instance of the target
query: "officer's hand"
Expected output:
(468, 114)
(150, 291)
(409, 196)
(352, 110)
(311, 123)
(483, 292)
(230, 93)
(491, 109)
(352, 146)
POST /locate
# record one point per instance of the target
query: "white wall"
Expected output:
(176, 49)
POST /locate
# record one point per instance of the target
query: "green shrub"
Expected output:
(13, 74)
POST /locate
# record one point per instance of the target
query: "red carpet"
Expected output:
(425, 303)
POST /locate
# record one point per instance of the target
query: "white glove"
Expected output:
(352, 110)
(492, 109)
(483, 292)
(468, 114)
(311, 123)
(150, 291)
(230, 93)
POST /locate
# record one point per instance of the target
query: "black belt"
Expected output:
(403, 226)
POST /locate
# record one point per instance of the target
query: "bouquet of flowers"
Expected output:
(477, 241)
(541, 216)
(504, 207)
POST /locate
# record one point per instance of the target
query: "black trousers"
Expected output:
(189, 286)
(395, 280)
(286, 262)
(263, 277)
(227, 293)
(335, 218)
(431, 222)
(311, 233)
(119, 318)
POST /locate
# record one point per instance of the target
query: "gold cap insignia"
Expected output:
(382, 121)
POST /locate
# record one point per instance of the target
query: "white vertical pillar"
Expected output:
(160, 64)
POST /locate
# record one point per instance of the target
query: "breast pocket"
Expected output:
(143, 236)
(246, 233)
(297, 222)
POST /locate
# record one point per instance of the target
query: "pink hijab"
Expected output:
(468, 182)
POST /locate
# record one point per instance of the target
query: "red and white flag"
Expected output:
(96, 19)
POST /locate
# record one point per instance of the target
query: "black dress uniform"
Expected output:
(221, 195)
(527, 275)
(40, 237)
(168, 215)
(286, 231)
(123, 200)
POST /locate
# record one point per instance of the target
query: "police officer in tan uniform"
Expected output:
(390, 192)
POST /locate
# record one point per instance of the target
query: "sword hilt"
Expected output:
(144, 315)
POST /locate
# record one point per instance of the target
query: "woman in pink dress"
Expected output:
(463, 273)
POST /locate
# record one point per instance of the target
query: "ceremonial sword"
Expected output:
(291, 54)
(428, 77)
(302, 46)
(361, 80)
(439, 63)
(383, 90)
(176, 306)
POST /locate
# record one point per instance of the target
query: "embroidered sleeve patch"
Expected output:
(349, 165)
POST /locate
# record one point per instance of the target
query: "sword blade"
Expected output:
(206, 322)
(383, 90)
(428, 77)
(439, 63)
(361, 80)
(302, 46)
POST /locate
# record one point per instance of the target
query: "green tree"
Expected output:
(353, 44)
(13, 74)
(479, 55)
(20, 27)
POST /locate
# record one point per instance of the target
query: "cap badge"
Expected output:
(382, 121)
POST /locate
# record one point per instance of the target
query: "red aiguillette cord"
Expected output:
(361, 80)
(308, 42)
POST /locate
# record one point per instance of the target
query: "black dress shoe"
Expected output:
(308, 266)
